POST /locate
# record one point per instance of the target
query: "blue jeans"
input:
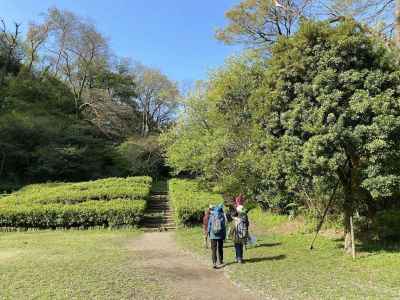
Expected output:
(239, 251)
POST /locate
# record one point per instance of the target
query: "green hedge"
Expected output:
(71, 193)
(189, 200)
(88, 214)
(109, 202)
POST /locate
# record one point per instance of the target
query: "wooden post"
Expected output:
(353, 245)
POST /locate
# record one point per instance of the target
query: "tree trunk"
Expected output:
(347, 181)
(397, 23)
(348, 213)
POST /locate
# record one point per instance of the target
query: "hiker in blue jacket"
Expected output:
(217, 235)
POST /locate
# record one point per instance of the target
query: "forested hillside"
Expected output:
(70, 110)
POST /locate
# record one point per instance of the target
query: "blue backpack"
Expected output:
(216, 224)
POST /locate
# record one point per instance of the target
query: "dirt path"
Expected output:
(183, 275)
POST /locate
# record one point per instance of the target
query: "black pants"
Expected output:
(217, 246)
(239, 251)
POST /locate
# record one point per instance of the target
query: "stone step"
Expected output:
(157, 220)
(163, 219)
(161, 229)
(157, 211)
(160, 193)
(169, 225)
(154, 208)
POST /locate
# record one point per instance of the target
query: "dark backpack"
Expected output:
(216, 224)
(242, 229)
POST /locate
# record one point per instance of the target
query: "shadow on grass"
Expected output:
(259, 259)
(266, 245)
(267, 258)
(378, 247)
(261, 245)
(370, 246)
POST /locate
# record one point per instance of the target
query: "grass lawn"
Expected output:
(281, 266)
(93, 264)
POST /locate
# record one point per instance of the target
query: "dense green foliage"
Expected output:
(213, 137)
(41, 139)
(107, 202)
(189, 200)
(386, 225)
(322, 110)
(140, 156)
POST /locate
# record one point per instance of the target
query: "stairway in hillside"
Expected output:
(158, 215)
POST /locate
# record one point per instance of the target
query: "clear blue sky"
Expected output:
(176, 36)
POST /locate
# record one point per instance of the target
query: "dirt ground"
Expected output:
(183, 275)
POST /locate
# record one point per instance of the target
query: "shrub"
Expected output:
(387, 225)
(189, 200)
(106, 202)
(88, 214)
(72, 193)
(140, 156)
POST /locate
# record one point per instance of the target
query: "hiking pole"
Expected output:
(324, 215)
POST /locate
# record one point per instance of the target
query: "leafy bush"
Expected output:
(387, 225)
(189, 200)
(140, 156)
(88, 214)
(71, 193)
(106, 202)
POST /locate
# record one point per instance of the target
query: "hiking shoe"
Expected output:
(214, 266)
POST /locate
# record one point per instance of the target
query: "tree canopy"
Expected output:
(322, 110)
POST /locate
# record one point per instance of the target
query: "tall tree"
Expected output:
(74, 49)
(258, 23)
(157, 98)
(329, 110)
(10, 50)
(35, 39)
(261, 22)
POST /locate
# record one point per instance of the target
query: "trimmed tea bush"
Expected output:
(108, 202)
(71, 193)
(189, 200)
(87, 214)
